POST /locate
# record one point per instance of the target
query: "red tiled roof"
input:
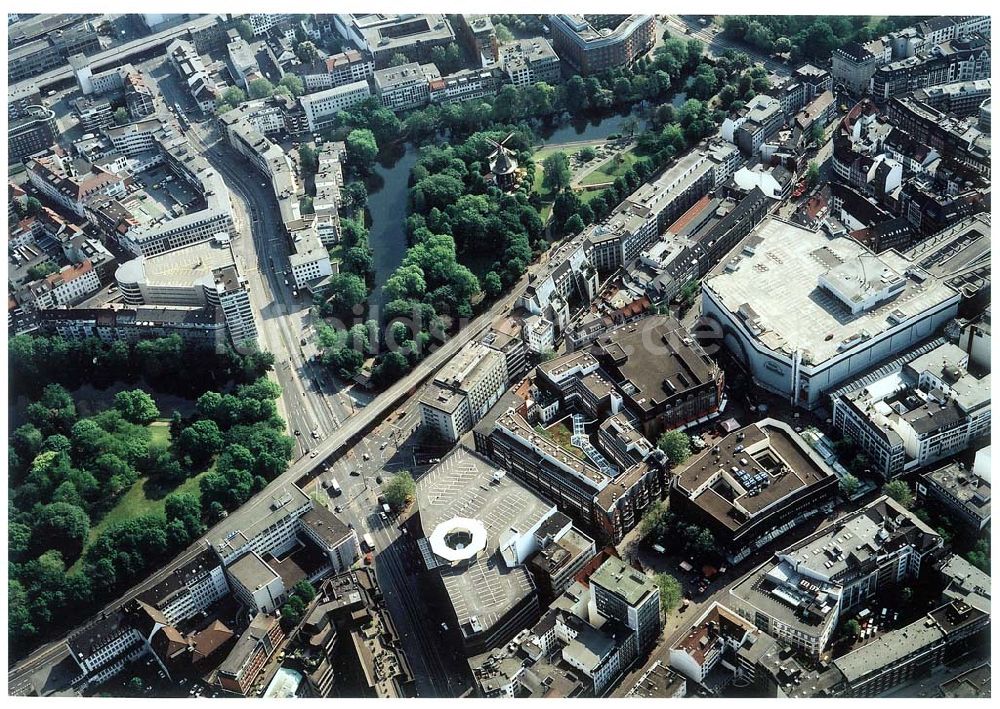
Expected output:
(688, 216)
(71, 273)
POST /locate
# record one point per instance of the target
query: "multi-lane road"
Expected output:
(438, 671)
(310, 404)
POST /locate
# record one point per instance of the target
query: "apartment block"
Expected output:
(404, 87)
(529, 61)
(241, 668)
(962, 494)
(34, 131)
(336, 70)
(321, 107)
(463, 391)
(799, 596)
(911, 417)
(591, 44)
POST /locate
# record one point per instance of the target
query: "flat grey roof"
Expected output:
(251, 519)
(184, 266)
(658, 682)
(656, 356)
(833, 553)
(252, 571)
(966, 582)
(387, 32)
(888, 649)
(860, 536)
(326, 525)
(967, 488)
(463, 485)
(468, 366)
(438, 397)
(630, 584)
(779, 284)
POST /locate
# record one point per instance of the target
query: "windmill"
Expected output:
(503, 165)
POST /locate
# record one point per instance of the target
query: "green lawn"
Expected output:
(539, 156)
(606, 173)
(159, 433)
(611, 169)
(537, 186)
(137, 502)
(587, 195)
(559, 434)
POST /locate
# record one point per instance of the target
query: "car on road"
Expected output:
(338, 509)
(365, 456)
(298, 432)
(354, 473)
(444, 627)
(315, 433)
(383, 446)
(313, 454)
(378, 479)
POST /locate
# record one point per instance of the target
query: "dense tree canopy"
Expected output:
(677, 446)
(899, 491)
(68, 472)
(61, 526)
(807, 36)
(671, 592)
(400, 490)
(556, 171)
(136, 406)
(362, 148)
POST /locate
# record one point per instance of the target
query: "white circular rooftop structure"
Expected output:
(458, 539)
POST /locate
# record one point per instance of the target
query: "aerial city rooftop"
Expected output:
(397, 355)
